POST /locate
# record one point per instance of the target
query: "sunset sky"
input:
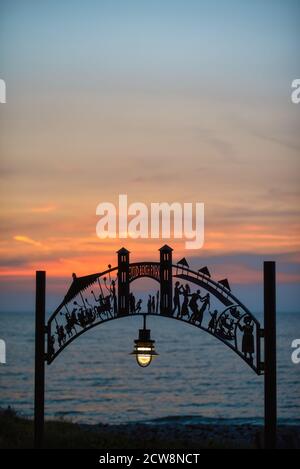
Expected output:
(180, 101)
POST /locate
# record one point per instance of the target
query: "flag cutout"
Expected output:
(225, 283)
(183, 262)
(205, 271)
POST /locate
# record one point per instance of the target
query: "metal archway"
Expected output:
(77, 314)
(229, 320)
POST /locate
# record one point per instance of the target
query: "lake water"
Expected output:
(195, 376)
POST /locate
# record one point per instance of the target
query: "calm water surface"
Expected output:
(195, 376)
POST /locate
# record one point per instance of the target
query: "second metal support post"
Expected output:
(39, 377)
(270, 355)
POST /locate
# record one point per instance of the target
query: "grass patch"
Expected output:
(16, 432)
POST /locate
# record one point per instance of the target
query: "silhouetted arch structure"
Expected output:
(185, 295)
(72, 318)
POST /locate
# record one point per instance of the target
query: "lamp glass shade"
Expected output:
(143, 359)
(144, 349)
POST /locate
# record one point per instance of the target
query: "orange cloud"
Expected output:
(43, 209)
(27, 240)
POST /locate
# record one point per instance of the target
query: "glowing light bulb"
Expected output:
(143, 359)
(144, 349)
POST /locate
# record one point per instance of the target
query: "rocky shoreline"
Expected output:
(17, 432)
(200, 435)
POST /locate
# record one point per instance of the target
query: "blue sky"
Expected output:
(165, 101)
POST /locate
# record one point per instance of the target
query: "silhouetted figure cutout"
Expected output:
(248, 339)
(153, 304)
(213, 321)
(69, 325)
(61, 336)
(81, 315)
(51, 345)
(176, 299)
(149, 304)
(91, 313)
(114, 297)
(184, 308)
(90, 316)
(104, 305)
(157, 301)
(132, 307)
(138, 306)
(226, 326)
(196, 316)
(74, 319)
(234, 312)
(206, 303)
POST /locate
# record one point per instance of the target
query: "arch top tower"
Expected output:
(123, 281)
(165, 274)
